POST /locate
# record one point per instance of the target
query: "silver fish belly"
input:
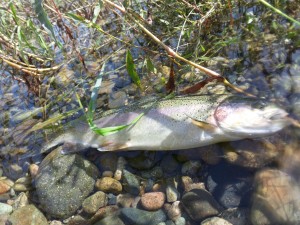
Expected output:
(178, 123)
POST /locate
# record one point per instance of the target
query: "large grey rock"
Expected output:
(63, 182)
(276, 199)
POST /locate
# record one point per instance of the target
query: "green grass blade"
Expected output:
(279, 12)
(132, 70)
(43, 18)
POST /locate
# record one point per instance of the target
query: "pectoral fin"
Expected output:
(107, 147)
(204, 125)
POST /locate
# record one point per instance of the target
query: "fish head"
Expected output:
(250, 117)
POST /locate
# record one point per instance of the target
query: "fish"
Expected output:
(177, 123)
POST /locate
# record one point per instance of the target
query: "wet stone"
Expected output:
(110, 220)
(276, 199)
(94, 202)
(109, 185)
(5, 208)
(169, 164)
(5, 185)
(171, 191)
(63, 182)
(135, 216)
(153, 201)
(28, 215)
(144, 160)
(131, 182)
(215, 221)
(20, 201)
(191, 168)
(199, 204)
(236, 183)
(174, 210)
(125, 200)
(240, 216)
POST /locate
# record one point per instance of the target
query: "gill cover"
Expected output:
(250, 117)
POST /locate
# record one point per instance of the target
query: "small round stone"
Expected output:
(153, 201)
(108, 185)
(5, 185)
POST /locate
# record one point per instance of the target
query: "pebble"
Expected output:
(104, 212)
(33, 170)
(169, 164)
(200, 204)
(13, 171)
(5, 209)
(236, 183)
(109, 185)
(171, 191)
(153, 201)
(23, 184)
(131, 183)
(144, 160)
(63, 182)
(108, 161)
(20, 201)
(120, 166)
(125, 200)
(28, 215)
(174, 210)
(275, 199)
(117, 99)
(180, 221)
(154, 173)
(251, 154)
(5, 185)
(191, 168)
(189, 184)
(110, 220)
(142, 217)
(94, 202)
(107, 174)
(240, 216)
(56, 222)
(215, 221)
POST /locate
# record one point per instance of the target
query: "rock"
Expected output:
(76, 220)
(33, 170)
(169, 164)
(20, 201)
(180, 221)
(135, 216)
(191, 168)
(107, 161)
(125, 200)
(199, 204)
(189, 184)
(13, 171)
(171, 191)
(144, 160)
(110, 220)
(94, 202)
(63, 182)
(5, 209)
(251, 154)
(215, 221)
(109, 185)
(120, 166)
(104, 212)
(240, 216)
(276, 199)
(230, 185)
(174, 211)
(154, 173)
(153, 201)
(5, 185)
(107, 174)
(117, 99)
(29, 215)
(131, 183)
(23, 184)
(56, 222)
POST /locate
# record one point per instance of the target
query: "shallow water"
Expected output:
(259, 52)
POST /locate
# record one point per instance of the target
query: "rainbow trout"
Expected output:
(177, 123)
